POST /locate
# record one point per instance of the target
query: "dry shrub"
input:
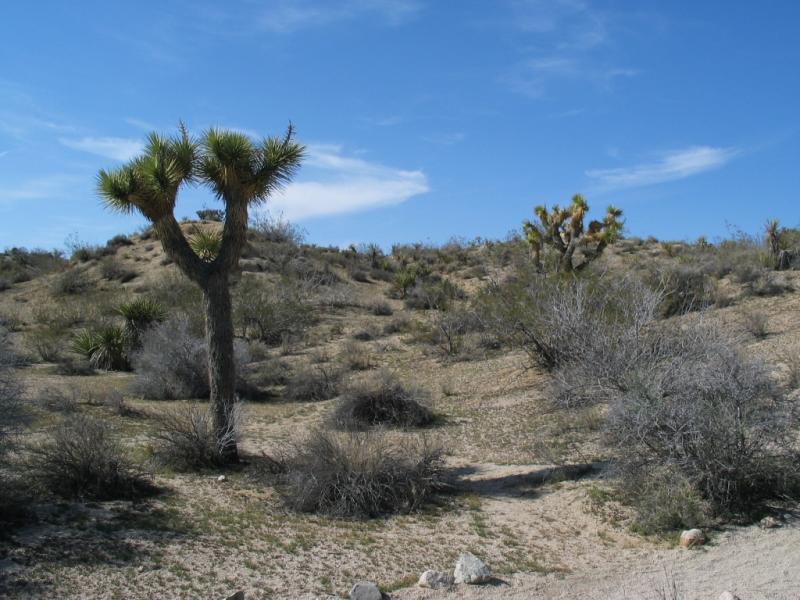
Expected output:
(172, 363)
(355, 356)
(272, 314)
(399, 324)
(699, 406)
(687, 401)
(82, 459)
(361, 474)
(558, 321)
(69, 283)
(11, 410)
(382, 400)
(113, 270)
(380, 308)
(185, 438)
(756, 323)
(665, 500)
(314, 383)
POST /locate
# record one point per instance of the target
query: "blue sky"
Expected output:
(424, 119)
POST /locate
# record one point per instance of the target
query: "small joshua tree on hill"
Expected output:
(563, 230)
(240, 172)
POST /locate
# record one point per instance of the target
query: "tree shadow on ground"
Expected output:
(74, 535)
(518, 484)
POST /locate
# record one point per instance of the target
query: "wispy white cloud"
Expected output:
(575, 22)
(51, 186)
(533, 76)
(109, 147)
(564, 41)
(3, 153)
(678, 164)
(287, 16)
(389, 121)
(140, 124)
(446, 139)
(340, 183)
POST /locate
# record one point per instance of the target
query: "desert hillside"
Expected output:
(475, 443)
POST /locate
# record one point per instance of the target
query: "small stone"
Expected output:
(728, 596)
(692, 537)
(769, 523)
(365, 590)
(222, 478)
(471, 569)
(237, 596)
(435, 580)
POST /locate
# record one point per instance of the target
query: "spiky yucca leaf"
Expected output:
(105, 347)
(139, 314)
(206, 244)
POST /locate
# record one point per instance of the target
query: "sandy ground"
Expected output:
(754, 564)
(544, 537)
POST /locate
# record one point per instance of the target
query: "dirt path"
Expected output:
(754, 564)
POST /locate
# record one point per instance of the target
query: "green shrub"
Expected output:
(665, 500)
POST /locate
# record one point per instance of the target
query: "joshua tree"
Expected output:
(242, 174)
(563, 230)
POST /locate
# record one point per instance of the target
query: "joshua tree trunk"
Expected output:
(221, 363)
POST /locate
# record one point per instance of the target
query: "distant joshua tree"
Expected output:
(241, 173)
(562, 229)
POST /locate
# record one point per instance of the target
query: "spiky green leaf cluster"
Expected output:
(206, 243)
(229, 162)
(105, 348)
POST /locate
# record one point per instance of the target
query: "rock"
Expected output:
(769, 523)
(471, 569)
(222, 478)
(365, 590)
(728, 596)
(435, 580)
(237, 596)
(692, 537)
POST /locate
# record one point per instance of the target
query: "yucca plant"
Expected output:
(241, 173)
(105, 347)
(206, 244)
(562, 229)
(139, 314)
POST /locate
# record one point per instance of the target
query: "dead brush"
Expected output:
(82, 458)
(361, 474)
(756, 323)
(382, 400)
(185, 438)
